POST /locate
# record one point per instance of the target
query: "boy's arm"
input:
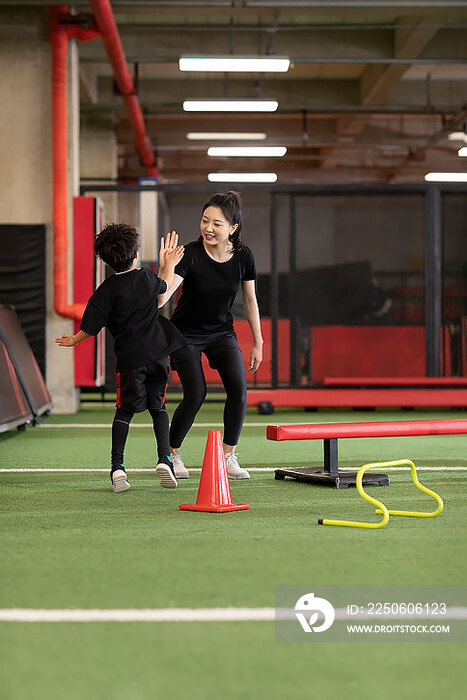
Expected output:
(170, 256)
(94, 319)
(69, 341)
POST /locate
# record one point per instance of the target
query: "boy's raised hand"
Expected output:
(167, 246)
(173, 257)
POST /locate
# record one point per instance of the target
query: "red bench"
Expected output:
(331, 432)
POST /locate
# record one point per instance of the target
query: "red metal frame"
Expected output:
(396, 381)
(358, 398)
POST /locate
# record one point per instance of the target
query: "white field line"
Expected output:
(143, 470)
(138, 615)
(146, 425)
(193, 615)
(42, 470)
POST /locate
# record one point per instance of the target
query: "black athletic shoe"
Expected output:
(166, 473)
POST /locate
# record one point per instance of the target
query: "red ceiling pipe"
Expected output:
(106, 22)
(61, 29)
(59, 36)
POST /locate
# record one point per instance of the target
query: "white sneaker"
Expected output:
(167, 476)
(181, 472)
(119, 481)
(234, 470)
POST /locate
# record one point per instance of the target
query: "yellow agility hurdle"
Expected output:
(381, 509)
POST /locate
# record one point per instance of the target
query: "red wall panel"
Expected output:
(370, 351)
(88, 273)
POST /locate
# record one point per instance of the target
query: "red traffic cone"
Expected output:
(214, 494)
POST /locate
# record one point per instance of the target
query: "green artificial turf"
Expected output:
(69, 541)
(68, 538)
(77, 447)
(208, 661)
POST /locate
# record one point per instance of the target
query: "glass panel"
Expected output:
(359, 290)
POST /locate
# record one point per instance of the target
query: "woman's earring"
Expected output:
(230, 237)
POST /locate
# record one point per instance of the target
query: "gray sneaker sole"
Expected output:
(120, 484)
(238, 477)
(184, 475)
(168, 480)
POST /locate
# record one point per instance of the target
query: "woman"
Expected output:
(212, 270)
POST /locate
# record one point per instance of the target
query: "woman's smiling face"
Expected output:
(215, 228)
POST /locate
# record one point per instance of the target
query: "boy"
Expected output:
(127, 304)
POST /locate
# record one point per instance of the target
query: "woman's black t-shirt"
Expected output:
(126, 304)
(209, 289)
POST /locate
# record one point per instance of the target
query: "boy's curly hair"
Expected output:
(116, 245)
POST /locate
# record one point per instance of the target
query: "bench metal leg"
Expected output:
(329, 473)
(330, 456)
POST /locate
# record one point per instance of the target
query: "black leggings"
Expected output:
(121, 424)
(225, 356)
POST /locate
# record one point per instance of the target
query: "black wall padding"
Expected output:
(24, 363)
(22, 280)
(347, 293)
(14, 408)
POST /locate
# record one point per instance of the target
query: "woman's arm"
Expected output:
(172, 285)
(250, 306)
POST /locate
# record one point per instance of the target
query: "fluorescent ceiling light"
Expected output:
(446, 177)
(224, 136)
(242, 177)
(462, 152)
(230, 105)
(457, 136)
(249, 64)
(248, 151)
